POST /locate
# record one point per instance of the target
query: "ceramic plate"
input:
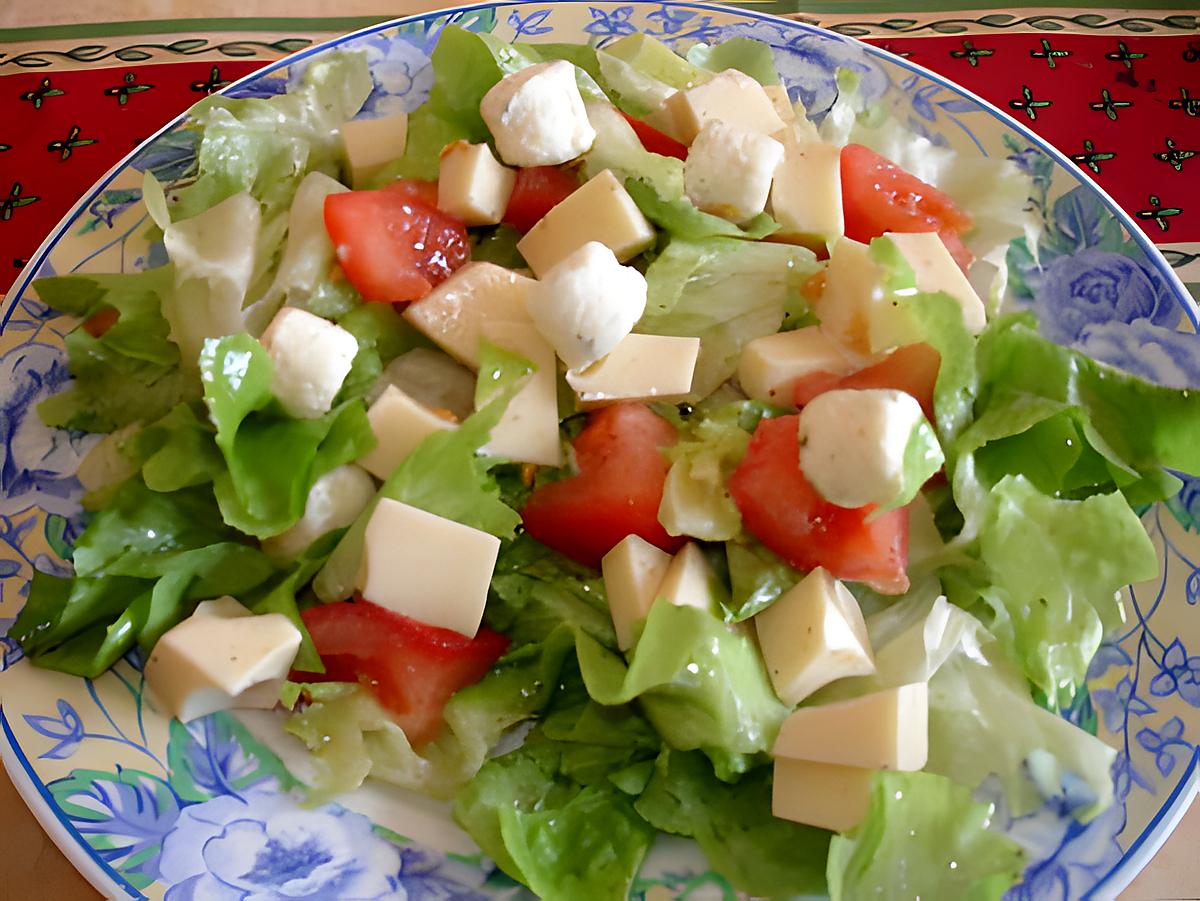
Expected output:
(146, 807)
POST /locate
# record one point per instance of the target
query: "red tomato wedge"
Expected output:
(392, 244)
(101, 321)
(424, 191)
(912, 369)
(412, 669)
(617, 491)
(537, 191)
(878, 196)
(656, 141)
(782, 510)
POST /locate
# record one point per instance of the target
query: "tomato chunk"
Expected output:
(912, 369)
(392, 244)
(410, 667)
(656, 141)
(782, 510)
(878, 196)
(538, 190)
(617, 491)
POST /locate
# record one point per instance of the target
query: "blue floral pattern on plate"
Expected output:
(209, 811)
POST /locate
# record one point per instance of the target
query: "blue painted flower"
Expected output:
(675, 24)
(66, 729)
(37, 464)
(1166, 744)
(264, 845)
(1180, 673)
(401, 72)
(1116, 703)
(530, 25)
(1096, 287)
(1153, 352)
(614, 23)
(810, 66)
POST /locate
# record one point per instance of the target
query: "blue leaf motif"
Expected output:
(671, 20)
(1192, 588)
(1106, 657)
(921, 101)
(532, 24)
(958, 105)
(66, 729)
(1163, 684)
(206, 760)
(1176, 655)
(610, 24)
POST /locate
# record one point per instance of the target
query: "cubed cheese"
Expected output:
(333, 502)
(221, 657)
(731, 97)
(371, 144)
(472, 185)
(885, 730)
(853, 288)
(632, 570)
(311, 357)
(769, 366)
(586, 304)
(399, 424)
(600, 210)
(689, 581)
(853, 443)
(935, 270)
(806, 195)
(824, 795)
(640, 368)
(812, 635)
(453, 313)
(536, 116)
(423, 566)
(780, 102)
(528, 430)
(729, 169)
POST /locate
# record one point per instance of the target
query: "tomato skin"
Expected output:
(410, 667)
(424, 191)
(618, 489)
(912, 369)
(656, 141)
(878, 196)
(101, 321)
(538, 190)
(780, 507)
(391, 244)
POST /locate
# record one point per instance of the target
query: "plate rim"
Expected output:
(32, 791)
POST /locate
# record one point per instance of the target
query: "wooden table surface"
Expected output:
(32, 866)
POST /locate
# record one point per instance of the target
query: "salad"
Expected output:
(610, 448)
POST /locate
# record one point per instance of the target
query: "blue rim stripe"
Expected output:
(52, 805)
(1153, 256)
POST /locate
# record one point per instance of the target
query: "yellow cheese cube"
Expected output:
(935, 270)
(641, 368)
(528, 430)
(824, 795)
(806, 194)
(472, 185)
(453, 313)
(601, 210)
(399, 424)
(885, 730)
(633, 571)
(371, 144)
(689, 580)
(769, 366)
(813, 634)
(852, 288)
(731, 97)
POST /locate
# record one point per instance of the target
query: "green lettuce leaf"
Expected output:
(744, 54)
(726, 292)
(757, 576)
(701, 683)
(641, 73)
(923, 837)
(680, 217)
(758, 853)
(617, 147)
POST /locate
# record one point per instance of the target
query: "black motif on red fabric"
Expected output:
(1158, 214)
(15, 200)
(1091, 157)
(212, 84)
(68, 145)
(39, 94)
(1108, 105)
(1175, 156)
(1049, 54)
(123, 91)
(971, 53)
(1027, 104)
(1123, 56)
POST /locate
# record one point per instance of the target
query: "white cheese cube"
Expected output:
(935, 270)
(885, 730)
(333, 502)
(731, 97)
(371, 144)
(769, 366)
(806, 195)
(689, 581)
(453, 313)
(813, 634)
(600, 210)
(528, 430)
(312, 357)
(852, 444)
(221, 657)
(586, 304)
(426, 567)
(536, 116)
(399, 424)
(641, 368)
(824, 795)
(729, 169)
(780, 102)
(472, 185)
(853, 288)
(632, 571)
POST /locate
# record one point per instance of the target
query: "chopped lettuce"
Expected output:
(701, 683)
(641, 72)
(923, 837)
(680, 217)
(757, 577)
(757, 852)
(618, 148)
(725, 291)
(747, 55)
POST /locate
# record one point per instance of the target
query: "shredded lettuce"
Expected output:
(747, 55)
(682, 219)
(757, 576)
(618, 148)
